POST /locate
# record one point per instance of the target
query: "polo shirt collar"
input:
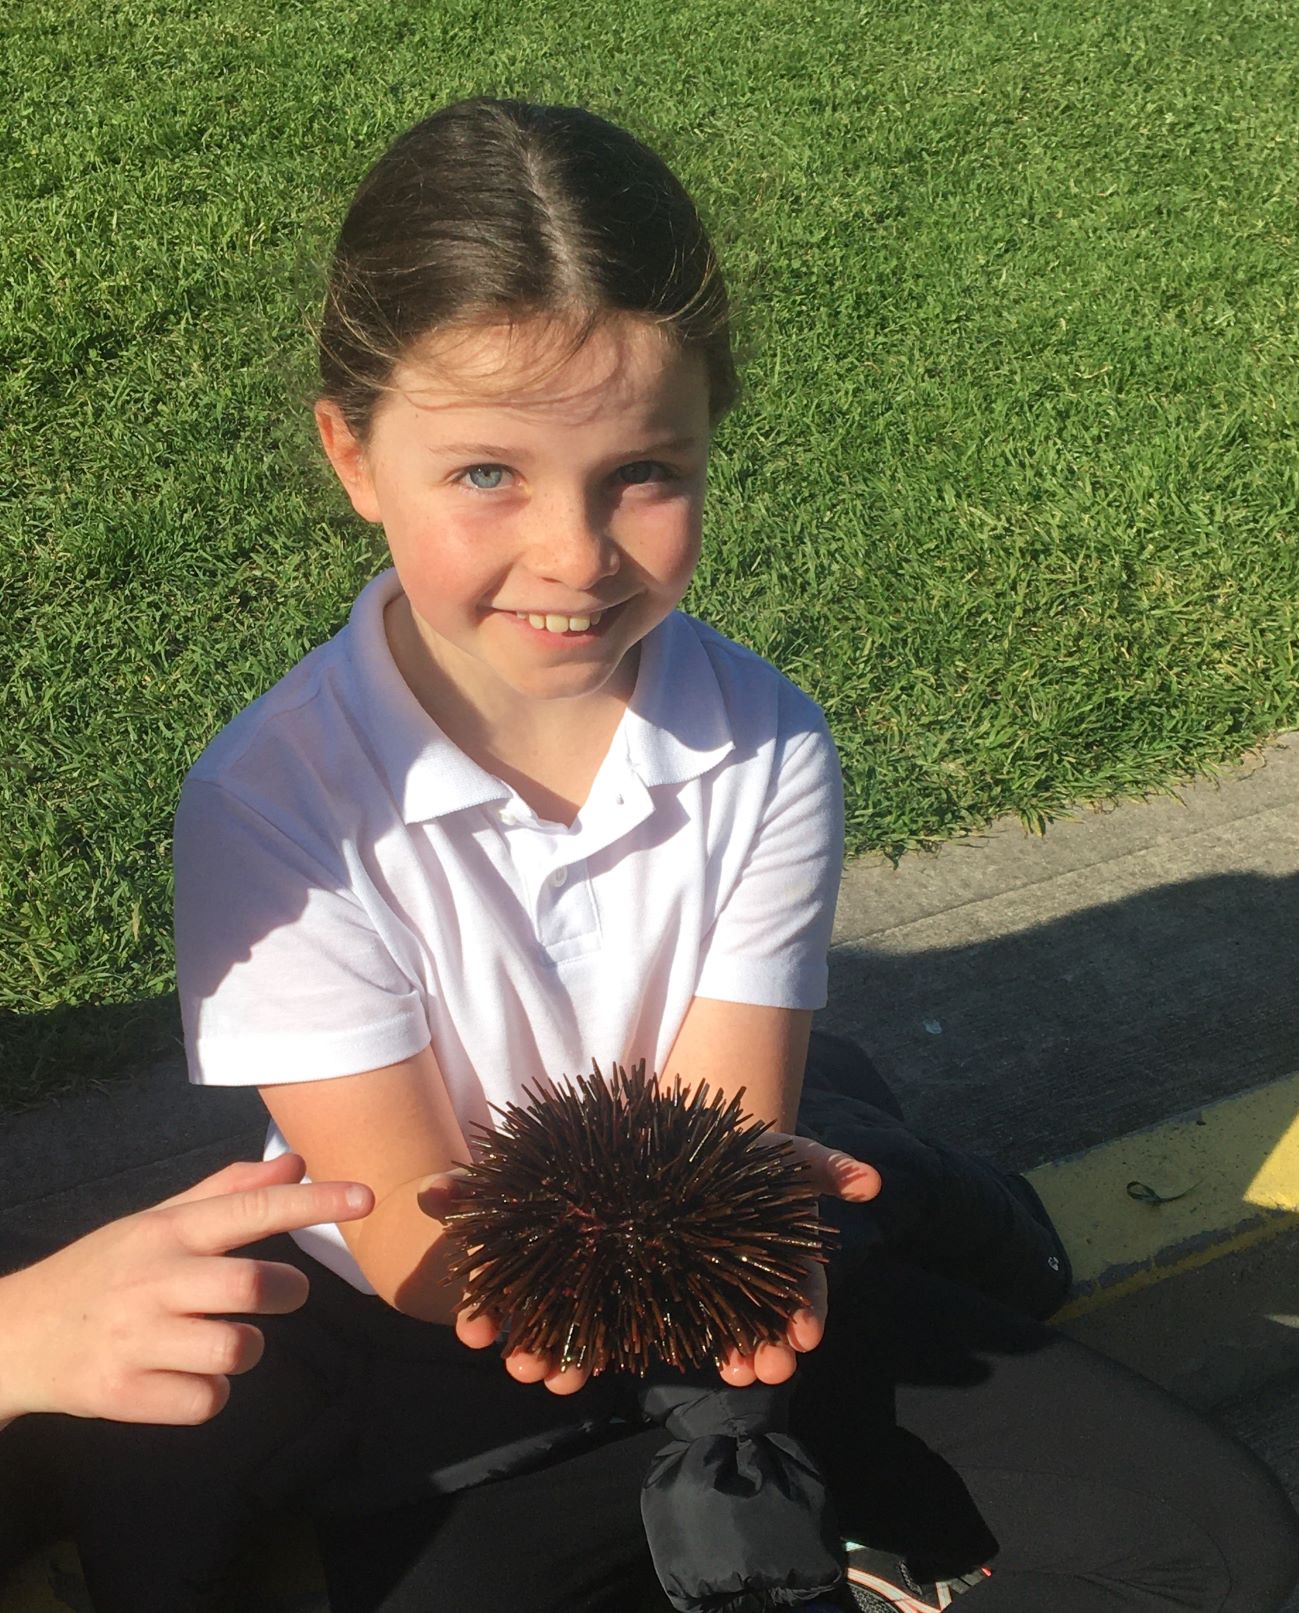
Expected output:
(674, 729)
(676, 725)
(428, 775)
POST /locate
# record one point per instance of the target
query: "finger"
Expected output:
(241, 1177)
(567, 1380)
(774, 1363)
(737, 1370)
(816, 1292)
(213, 1225)
(806, 1330)
(438, 1195)
(477, 1332)
(202, 1348)
(527, 1366)
(223, 1285)
(835, 1173)
(178, 1399)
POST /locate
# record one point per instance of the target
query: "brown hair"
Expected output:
(505, 210)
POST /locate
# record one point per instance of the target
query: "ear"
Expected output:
(346, 453)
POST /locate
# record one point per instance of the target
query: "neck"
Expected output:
(548, 751)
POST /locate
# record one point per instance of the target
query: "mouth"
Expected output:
(584, 625)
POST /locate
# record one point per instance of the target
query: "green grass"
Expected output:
(1013, 491)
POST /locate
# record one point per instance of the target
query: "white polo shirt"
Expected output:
(350, 886)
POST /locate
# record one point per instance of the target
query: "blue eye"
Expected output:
(640, 470)
(486, 478)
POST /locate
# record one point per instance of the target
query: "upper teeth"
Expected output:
(560, 624)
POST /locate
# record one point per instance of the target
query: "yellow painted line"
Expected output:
(1276, 1186)
(1175, 1262)
(1138, 1208)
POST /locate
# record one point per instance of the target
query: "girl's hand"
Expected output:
(117, 1325)
(830, 1173)
(437, 1198)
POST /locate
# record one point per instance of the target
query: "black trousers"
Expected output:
(947, 1427)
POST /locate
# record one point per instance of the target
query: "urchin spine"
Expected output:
(616, 1222)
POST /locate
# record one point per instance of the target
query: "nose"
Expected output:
(571, 544)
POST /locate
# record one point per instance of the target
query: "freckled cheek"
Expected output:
(409, 525)
(667, 542)
(439, 567)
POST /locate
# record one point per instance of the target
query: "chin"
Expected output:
(562, 688)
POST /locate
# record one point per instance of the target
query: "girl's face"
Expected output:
(543, 511)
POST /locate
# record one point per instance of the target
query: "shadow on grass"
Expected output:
(74, 1048)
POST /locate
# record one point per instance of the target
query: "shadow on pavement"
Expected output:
(1032, 1045)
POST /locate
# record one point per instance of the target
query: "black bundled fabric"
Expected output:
(735, 1510)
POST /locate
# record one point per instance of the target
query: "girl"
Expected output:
(522, 813)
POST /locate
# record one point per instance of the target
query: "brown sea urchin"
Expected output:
(619, 1221)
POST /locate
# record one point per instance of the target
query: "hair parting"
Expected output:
(505, 212)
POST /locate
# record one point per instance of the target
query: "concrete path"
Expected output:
(1035, 995)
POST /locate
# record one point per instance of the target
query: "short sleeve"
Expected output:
(769, 942)
(282, 973)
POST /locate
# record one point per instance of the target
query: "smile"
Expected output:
(560, 624)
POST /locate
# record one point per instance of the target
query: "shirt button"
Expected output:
(559, 876)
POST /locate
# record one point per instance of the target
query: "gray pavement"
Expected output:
(1035, 995)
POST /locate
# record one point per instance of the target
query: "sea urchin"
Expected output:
(619, 1222)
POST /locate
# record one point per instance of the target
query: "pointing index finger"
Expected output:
(239, 1178)
(212, 1226)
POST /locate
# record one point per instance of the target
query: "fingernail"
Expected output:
(804, 1322)
(357, 1196)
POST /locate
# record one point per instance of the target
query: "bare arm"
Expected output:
(733, 1045)
(390, 1128)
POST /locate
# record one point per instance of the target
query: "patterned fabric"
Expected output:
(881, 1583)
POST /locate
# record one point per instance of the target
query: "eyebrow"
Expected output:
(670, 445)
(480, 450)
(486, 451)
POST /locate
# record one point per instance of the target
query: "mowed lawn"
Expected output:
(1012, 491)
